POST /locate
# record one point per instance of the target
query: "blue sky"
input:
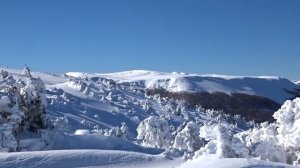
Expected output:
(236, 37)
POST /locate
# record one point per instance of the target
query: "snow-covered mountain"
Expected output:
(271, 87)
(114, 112)
(106, 100)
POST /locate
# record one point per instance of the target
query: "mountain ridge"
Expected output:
(272, 87)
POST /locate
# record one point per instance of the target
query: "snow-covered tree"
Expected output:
(4, 74)
(154, 132)
(26, 72)
(61, 122)
(33, 103)
(10, 119)
(179, 109)
(125, 131)
(111, 96)
(188, 138)
(22, 108)
(146, 106)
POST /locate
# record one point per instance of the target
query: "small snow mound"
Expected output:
(82, 132)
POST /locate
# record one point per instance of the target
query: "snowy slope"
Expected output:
(211, 161)
(46, 77)
(118, 159)
(84, 158)
(62, 141)
(87, 104)
(267, 86)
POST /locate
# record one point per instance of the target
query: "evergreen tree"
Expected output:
(26, 72)
(33, 103)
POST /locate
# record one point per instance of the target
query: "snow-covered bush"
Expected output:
(279, 141)
(77, 84)
(188, 138)
(288, 120)
(154, 132)
(119, 132)
(221, 142)
(261, 138)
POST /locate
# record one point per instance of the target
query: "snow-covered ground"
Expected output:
(97, 118)
(121, 159)
(84, 158)
(212, 161)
